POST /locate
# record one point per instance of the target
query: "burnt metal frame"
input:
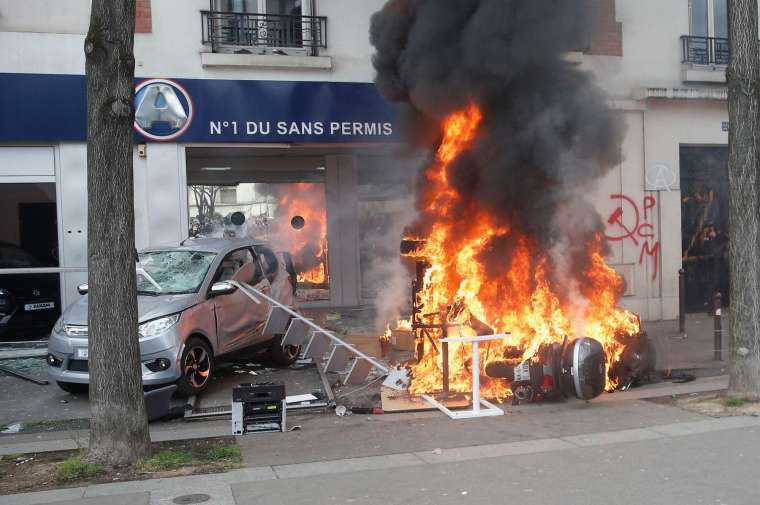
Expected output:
(705, 50)
(422, 330)
(234, 29)
(477, 402)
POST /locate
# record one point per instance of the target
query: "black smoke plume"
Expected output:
(547, 132)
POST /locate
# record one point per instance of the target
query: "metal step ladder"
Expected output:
(328, 351)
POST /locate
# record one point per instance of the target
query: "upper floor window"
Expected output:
(287, 7)
(709, 18)
(228, 195)
(264, 26)
(707, 42)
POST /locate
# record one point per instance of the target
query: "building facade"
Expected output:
(267, 108)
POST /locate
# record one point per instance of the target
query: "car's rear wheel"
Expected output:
(196, 366)
(73, 387)
(283, 355)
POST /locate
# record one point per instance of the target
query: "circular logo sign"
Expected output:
(163, 109)
(660, 177)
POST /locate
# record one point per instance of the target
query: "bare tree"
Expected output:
(744, 198)
(205, 200)
(119, 427)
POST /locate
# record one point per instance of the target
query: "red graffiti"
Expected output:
(641, 233)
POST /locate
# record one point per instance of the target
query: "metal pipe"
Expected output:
(718, 327)
(321, 330)
(475, 376)
(682, 300)
(20, 375)
(445, 352)
(42, 270)
(435, 326)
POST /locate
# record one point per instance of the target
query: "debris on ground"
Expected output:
(12, 428)
(8, 370)
(398, 379)
(302, 399)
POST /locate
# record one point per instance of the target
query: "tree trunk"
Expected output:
(744, 199)
(119, 426)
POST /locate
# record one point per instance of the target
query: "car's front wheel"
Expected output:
(196, 366)
(283, 355)
(73, 387)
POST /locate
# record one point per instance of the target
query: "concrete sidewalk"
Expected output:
(319, 430)
(77, 439)
(691, 350)
(296, 483)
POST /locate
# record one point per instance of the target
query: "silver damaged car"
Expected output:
(190, 317)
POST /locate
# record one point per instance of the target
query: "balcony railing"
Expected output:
(232, 30)
(705, 50)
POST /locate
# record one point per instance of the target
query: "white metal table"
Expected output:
(480, 407)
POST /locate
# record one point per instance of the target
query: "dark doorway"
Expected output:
(38, 231)
(704, 224)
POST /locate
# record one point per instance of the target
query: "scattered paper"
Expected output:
(398, 379)
(12, 428)
(300, 398)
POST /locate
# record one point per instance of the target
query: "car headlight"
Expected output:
(157, 326)
(59, 326)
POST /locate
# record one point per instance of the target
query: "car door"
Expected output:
(239, 319)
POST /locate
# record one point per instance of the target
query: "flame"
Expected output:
(307, 245)
(522, 301)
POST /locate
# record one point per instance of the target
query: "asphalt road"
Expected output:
(718, 468)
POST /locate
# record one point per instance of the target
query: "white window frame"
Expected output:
(299, 51)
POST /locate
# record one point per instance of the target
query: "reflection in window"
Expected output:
(720, 18)
(709, 18)
(290, 216)
(30, 303)
(704, 224)
(699, 18)
(228, 195)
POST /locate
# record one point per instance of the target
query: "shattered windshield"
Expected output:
(172, 272)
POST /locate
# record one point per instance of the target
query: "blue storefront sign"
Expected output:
(37, 107)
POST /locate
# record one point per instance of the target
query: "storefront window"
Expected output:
(29, 301)
(290, 216)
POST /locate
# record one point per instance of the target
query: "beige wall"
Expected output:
(47, 36)
(50, 16)
(654, 134)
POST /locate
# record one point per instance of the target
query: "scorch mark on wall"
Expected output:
(640, 232)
